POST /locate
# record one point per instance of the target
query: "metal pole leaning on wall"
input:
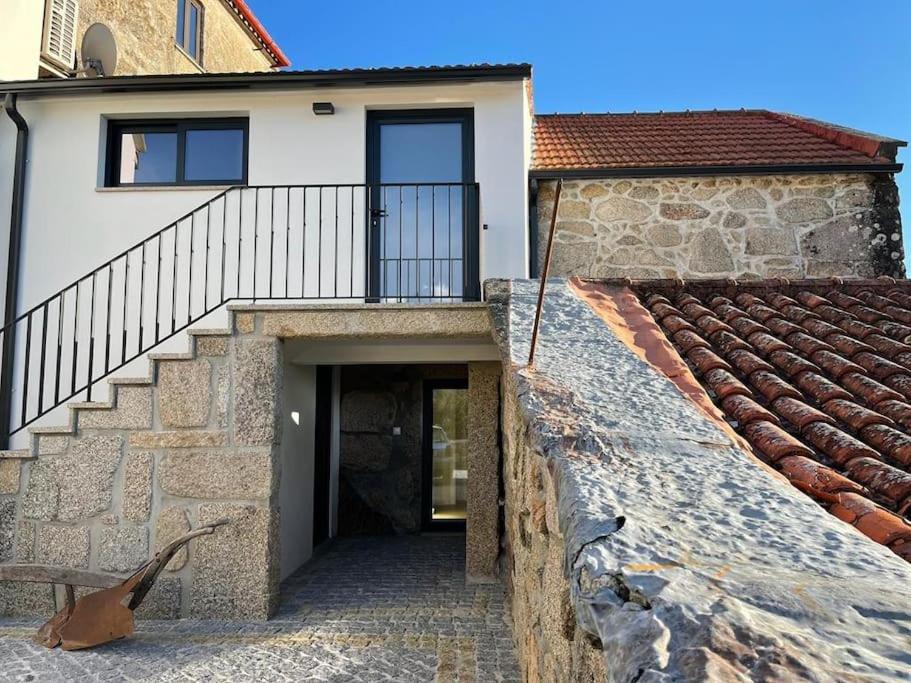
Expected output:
(544, 273)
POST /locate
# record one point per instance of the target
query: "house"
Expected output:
(45, 38)
(300, 300)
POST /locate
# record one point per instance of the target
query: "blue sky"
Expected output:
(837, 60)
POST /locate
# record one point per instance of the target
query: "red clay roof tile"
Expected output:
(823, 395)
(698, 139)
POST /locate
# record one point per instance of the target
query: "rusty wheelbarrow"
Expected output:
(105, 615)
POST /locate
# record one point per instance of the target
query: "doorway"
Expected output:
(445, 454)
(420, 169)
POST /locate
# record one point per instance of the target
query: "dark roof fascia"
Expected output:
(267, 81)
(686, 171)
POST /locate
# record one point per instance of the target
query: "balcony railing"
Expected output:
(405, 243)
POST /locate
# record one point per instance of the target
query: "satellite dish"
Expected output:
(99, 51)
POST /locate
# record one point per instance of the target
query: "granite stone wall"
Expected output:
(193, 443)
(551, 644)
(198, 439)
(379, 471)
(145, 33)
(792, 226)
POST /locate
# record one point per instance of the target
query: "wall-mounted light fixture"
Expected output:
(323, 108)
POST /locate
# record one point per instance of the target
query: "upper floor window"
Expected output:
(189, 152)
(189, 28)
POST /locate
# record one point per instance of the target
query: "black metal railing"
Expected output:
(369, 243)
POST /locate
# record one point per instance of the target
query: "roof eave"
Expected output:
(684, 171)
(267, 81)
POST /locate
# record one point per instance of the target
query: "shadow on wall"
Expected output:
(379, 469)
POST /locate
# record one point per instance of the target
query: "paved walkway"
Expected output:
(370, 609)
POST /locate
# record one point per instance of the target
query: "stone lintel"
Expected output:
(463, 321)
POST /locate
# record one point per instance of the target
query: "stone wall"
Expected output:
(198, 440)
(145, 33)
(194, 443)
(744, 227)
(380, 472)
(640, 534)
(551, 644)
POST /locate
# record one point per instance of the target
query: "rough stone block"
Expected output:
(212, 345)
(163, 601)
(9, 475)
(245, 323)
(74, 486)
(222, 395)
(482, 537)
(367, 411)
(172, 523)
(42, 495)
(682, 211)
(242, 476)
(53, 445)
(7, 529)
(184, 393)
(19, 599)
(137, 487)
(236, 568)
(123, 549)
(804, 210)
(615, 209)
(133, 411)
(25, 542)
(257, 388)
(766, 241)
(86, 477)
(365, 452)
(66, 546)
(746, 198)
(181, 439)
(709, 253)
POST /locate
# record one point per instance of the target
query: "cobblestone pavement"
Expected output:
(369, 609)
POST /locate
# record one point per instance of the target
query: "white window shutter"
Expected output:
(60, 31)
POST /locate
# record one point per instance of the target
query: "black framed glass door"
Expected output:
(445, 449)
(420, 168)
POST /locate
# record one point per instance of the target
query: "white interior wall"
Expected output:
(296, 482)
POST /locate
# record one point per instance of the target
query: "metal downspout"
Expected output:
(12, 267)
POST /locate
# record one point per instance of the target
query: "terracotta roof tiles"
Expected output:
(710, 139)
(816, 376)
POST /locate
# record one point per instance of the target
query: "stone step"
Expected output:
(210, 332)
(90, 405)
(16, 455)
(130, 381)
(56, 430)
(172, 356)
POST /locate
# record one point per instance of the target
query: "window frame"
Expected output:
(184, 44)
(117, 127)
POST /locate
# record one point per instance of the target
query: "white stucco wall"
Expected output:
(20, 39)
(295, 496)
(72, 226)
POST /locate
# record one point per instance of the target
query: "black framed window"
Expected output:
(188, 152)
(189, 28)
